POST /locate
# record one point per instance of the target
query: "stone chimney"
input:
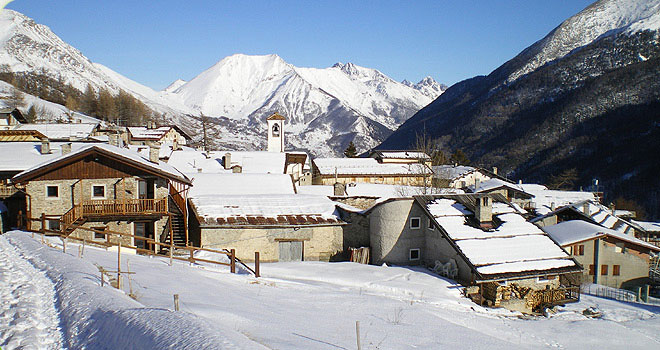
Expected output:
(227, 160)
(339, 189)
(66, 148)
(113, 139)
(585, 208)
(476, 185)
(154, 153)
(45, 146)
(484, 211)
(495, 170)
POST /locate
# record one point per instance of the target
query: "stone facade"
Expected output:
(320, 243)
(373, 179)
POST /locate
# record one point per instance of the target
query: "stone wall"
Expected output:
(319, 242)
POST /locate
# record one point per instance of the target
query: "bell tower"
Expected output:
(275, 133)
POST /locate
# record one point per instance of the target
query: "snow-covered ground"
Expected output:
(308, 305)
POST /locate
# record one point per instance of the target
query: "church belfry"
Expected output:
(275, 133)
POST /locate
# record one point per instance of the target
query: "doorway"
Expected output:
(291, 251)
(143, 229)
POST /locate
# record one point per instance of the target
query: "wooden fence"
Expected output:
(158, 246)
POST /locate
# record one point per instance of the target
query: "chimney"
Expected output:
(45, 146)
(66, 148)
(520, 182)
(484, 212)
(553, 206)
(199, 170)
(339, 189)
(227, 160)
(495, 170)
(237, 169)
(476, 185)
(585, 208)
(113, 139)
(154, 153)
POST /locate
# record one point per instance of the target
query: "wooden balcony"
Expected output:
(115, 208)
(7, 191)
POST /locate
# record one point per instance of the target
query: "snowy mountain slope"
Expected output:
(339, 103)
(251, 87)
(605, 17)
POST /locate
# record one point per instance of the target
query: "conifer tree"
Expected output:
(350, 151)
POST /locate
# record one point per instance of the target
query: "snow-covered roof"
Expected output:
(515, 246)
(648, 226)
(376, 190)
(265, 210)
(544, 198)
(603, 216)
(451, 172)
(123, 153)
(19, 156)
(412, 155)
(367, 166)
(144, 133)
(190, 161)
(494, 183)
(62, 131)
(205, 184)
(573, 231)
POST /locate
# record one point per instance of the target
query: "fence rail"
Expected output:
(148, 242)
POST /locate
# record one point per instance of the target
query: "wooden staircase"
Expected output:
(177, 220)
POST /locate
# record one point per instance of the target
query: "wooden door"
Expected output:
(146, 189)
(291, 251)
(143, 229)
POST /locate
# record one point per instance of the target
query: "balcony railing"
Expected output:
(123, 207)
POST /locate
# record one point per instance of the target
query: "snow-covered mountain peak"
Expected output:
(601, 18)
(175, 85)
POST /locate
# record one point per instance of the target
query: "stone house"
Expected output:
(141, 135)
(481, 241)
(328, 171)
(9, 118)
(512, 192)
(105, 187)
(609, 257)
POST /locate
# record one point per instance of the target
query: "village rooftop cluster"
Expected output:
(144, 190)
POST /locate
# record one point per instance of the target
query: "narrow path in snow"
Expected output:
(28, 318)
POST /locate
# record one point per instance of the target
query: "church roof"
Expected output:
(276, 116)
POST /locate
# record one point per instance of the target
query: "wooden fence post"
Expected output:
(119, 263)
(43, 227)
(176, 302)
(257, 273)
(357, 333)
(233, 260)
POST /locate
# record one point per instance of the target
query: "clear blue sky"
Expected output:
(155, 42)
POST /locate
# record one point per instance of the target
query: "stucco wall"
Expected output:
(634, 265)
(391, 236)
(319, 243)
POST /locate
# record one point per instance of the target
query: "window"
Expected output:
(603, 270)
(53, 225)
(592, 270)
(99, 235)
(98, 191)
(52, 191)
(616, 270)
(415, 223)
(578, 249)
(485, 201)
(545, 279)
(276, 130)
(431, 227)
(414, 254)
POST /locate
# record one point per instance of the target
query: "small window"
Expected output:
(99, 235)
(52, 191)
(603, 270)
(543, 279)
(485, 201)
(98, 191)
(616, 270)
(415, 223)
(53, 225)
(431, 226)
(414, 254)
(592, 270)
(578, 249)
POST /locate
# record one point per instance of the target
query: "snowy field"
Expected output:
(54, 300)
